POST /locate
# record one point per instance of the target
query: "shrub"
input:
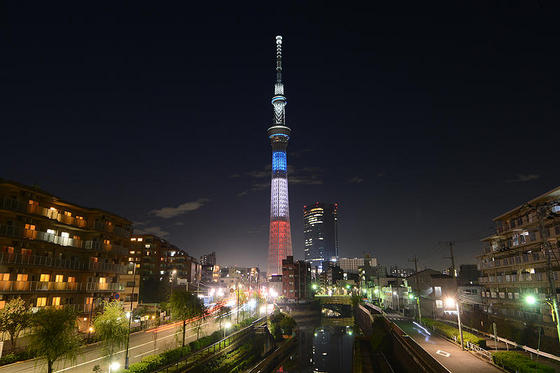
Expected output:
(451, 332)
(515, 362)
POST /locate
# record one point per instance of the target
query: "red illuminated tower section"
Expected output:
(280, 239)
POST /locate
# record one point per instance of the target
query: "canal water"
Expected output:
(324, 344)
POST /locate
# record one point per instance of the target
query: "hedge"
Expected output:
(515, 362)
(451, 332)
(153, 362)
(17, 356)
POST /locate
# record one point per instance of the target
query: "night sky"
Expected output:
(423, 124)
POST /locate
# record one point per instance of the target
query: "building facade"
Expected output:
(57, 253)
(515, 263)
(280, 235)
(320, 230)
(352, 265)
(296, 280)
(433, 288)
(160, 265)
(208, 259)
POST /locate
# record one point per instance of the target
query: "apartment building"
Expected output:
(513, 263)
(352, 265)
(296, 280)
(57, 253)
(159, 265)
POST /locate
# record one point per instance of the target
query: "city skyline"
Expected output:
(400, 118)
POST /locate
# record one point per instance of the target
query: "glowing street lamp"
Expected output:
(227, 325)
(114, 366)
(450, 303)
(530, 300)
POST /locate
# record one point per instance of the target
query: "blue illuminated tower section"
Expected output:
(280, 238)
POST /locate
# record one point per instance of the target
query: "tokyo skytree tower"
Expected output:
(280, 238)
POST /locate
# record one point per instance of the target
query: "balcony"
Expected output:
(20, 232)
(44, 261)
(54, 214)
(43, 286)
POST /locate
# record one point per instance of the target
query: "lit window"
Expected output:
(137, 265)
(106, 242)
(437, 291)
(45, 277)
(22, 277)
(56, 301)
(5, 276)
(58, 278)
(25, 252)
(89, 300)
(140, 239)
(30, 227)
(31, 202)
(439, 303)
(133, 239)
(41, 301)
(147, 246)
(67, 213)
(102, 280)
(132, 252)
(71, 279)
(65, 234)
(2, 304)
(51, 231)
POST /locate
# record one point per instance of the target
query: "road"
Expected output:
(141, 344)
(447, 353)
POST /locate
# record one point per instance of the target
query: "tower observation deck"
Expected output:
(280, 237)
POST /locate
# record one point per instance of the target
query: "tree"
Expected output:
(140, 312)
(112, 327)
(14, 317)
(222, 313)
(184, 306)
(56, 335)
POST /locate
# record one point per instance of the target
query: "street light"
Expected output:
(450, 302)
(531, 300)
(227, 325)
(114, 366)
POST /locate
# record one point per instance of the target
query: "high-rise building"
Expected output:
(280, 237)
(320, 232)
(55, 253)
(208, 259)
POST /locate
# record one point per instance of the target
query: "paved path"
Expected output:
(448, 354)
(141, 344)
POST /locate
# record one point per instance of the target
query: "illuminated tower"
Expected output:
(280, 239)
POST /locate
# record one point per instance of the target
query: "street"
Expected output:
(141, 344)
(447, 353)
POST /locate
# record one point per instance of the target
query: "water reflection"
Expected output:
(325, 348)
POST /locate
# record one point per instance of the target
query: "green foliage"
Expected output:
(450, 332)
(280, 324)
(55, 335)
(515, 362)
(185, 305)
(17, 356)
(14, 317)
(111, 327)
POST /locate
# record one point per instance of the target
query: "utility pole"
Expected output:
(542, 213)
(452, 257)
(415, 260)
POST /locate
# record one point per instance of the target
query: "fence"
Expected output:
(515, 345)
(229, 342)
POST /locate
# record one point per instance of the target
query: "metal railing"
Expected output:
(198, 357)
(45, 261)
(49, 286)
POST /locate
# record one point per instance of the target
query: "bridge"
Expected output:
(336, 310)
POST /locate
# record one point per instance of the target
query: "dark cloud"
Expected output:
(523, 178)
